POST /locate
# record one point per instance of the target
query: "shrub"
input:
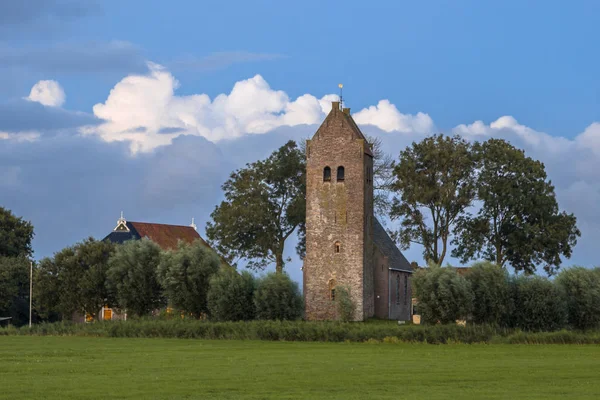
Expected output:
(132, 276)
(443, 295)
(345, 305)
(185, 274)
(539, 304)
(277, 297)
(492, 303)
(230, 295)
(582, 293)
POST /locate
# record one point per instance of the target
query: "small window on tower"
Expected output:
(332, 289)
(326, 174)
(338, 247)
(340, 174)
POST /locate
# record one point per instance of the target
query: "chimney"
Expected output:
(335, 105)
(346, 111)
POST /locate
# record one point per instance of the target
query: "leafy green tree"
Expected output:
(264, 204)
(346, 307)
(582, 292)
(443, 295)
(519, 222)
(74, 280)
(231, 294)
(435, 181)
(540, 305)
(492, 303)
(132, 277)
(277, 297)
(185, 274)
(15, 235)
(14, 289)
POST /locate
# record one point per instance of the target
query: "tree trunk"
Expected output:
(279, 262)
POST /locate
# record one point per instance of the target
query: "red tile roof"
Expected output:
(166, 236)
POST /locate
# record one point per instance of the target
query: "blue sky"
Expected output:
(455, 62)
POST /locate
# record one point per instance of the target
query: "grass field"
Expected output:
(99, 368)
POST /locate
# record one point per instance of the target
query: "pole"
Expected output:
(30, 288)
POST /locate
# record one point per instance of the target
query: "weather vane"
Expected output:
(341, 86)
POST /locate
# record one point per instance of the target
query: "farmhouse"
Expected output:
(166, 236)
(345, 244)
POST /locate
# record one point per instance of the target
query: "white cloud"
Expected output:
(48, 93)
(386, 117)
(29, 136)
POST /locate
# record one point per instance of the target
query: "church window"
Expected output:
(340, 174)
(397, 290)
(326, 174)
(338, 247)
(405, 290)
(332, 289)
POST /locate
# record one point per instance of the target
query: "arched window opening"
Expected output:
(332, 285)
(337, 247)
(405, 290)
(326, 174)
(340, 174)
(397, 290)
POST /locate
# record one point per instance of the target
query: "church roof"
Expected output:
(386, 245)
(166, 236)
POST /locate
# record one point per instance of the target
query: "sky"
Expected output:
(146, 106)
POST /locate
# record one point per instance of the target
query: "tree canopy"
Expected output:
(15, 235)
(518, 222)
(264, 204)
(434, 184)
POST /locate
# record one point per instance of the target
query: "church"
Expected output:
(345, 243)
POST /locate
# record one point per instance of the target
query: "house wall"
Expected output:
(381, 286)
(401, 295)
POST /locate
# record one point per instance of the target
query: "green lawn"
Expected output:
(98, 368)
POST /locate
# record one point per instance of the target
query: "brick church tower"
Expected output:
(344, 242)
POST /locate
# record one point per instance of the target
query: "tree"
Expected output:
(185, 274)
(540, 305)
(435, 180)
(132, 277)
(582, 293)
(74, 280)
(345, 305)
(492, 303)
(443, 295)
(264, 204)
(14, 289)
(519, 222)
(15, 235)
(231, 294)
(277, 297)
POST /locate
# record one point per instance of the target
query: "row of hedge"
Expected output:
(305, 331)
(486, 294)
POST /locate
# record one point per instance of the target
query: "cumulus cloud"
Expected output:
(386, 116)
(48, 93)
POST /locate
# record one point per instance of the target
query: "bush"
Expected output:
(582, 293)
(492, 303)
(345, 305)
(443, 295)
(277, 297)
(185, 274)
(132, 276)
(539, 304)
(231, 295)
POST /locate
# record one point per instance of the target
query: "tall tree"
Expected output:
(519, 222)
(185, 275)
(264, 204)
(435, 181)
(383, 176)
(132, 277)
(15, 235)
(14, 289)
